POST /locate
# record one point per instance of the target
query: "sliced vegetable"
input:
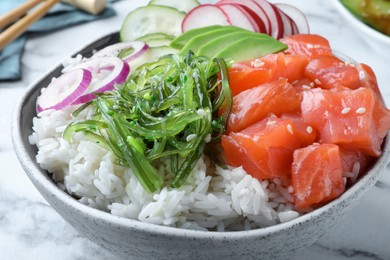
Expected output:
(182, 39)
(151, 19)
(256, 9)
(182, 5)
(239, 17)
(296, 15)
(204, 15)
(109, 70)
(127, 51)
(64, 90)
(200, 40)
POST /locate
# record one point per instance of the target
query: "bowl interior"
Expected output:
(22, 128)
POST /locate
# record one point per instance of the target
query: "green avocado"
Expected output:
(250, 48)
(199, 40)
(182, 39)
(215, 45)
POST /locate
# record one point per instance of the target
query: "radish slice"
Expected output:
(252, 5)
(256, 19)
(287, 25)
(297, 16)
(106, 71)
(64, 90)
(238, 17)
(139, 48)
(204, 15)
(280, 29)
(273, 17)
(294, 27)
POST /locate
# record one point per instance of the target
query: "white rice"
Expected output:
(211, 199)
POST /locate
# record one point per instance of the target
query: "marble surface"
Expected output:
(31, 229)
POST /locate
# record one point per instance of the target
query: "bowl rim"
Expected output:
(40, 177)
(360, 24)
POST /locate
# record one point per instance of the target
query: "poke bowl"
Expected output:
(216, 211)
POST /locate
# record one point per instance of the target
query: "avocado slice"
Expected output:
(182, 39)
(198, 41)
(214, 46)
(250, 48)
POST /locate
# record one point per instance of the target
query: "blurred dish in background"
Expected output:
(374, 38)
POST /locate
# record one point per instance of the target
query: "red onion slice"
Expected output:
(106, 71)
(64, 90)
(138, 47)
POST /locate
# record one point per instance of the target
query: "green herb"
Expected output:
(168, 109)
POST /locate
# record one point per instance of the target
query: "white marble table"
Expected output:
(31, 229)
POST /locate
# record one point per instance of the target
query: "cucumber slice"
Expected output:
(151, 19)
(158, 42)
(182, 5)
(156, 36)
(152, 54)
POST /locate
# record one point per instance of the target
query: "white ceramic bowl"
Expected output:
(374, 38)
(131, 239)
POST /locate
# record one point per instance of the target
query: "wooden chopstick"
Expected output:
(15, 30)
(17, 12)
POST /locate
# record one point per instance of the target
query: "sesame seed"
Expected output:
(257, 63)
(317, 81)
(289, 129)
(311, 84)
(317, 46)
(306, 87)
(271, 122)
(190, 137)
(360, 110)
(362, 75)
(345, 180)
(272, 115)
(290, 189)
(309, 129)
(345, 131)
(310, 46)
(295, 82)
(345, 110)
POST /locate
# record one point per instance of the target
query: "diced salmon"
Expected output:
(309, 45)
(254, 104)
(330, 72)
(317, 175)
(265, 149)
(249, 74)
(305, 133)
(351, 118)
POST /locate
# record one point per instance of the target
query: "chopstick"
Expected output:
(15, 30)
